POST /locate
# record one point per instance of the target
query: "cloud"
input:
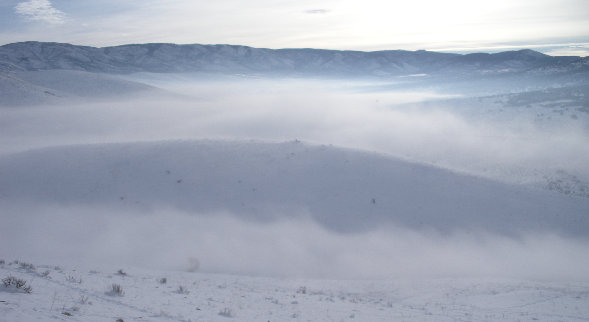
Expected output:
(317, 11)
(40, 10)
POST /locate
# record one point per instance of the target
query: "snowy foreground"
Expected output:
(66, 294)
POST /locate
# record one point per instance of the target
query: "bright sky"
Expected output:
(558, 27)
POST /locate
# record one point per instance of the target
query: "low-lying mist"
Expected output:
(166, 239)
(512, 147)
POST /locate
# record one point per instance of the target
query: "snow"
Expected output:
(33, 88)
(74, 294)
(344, 190)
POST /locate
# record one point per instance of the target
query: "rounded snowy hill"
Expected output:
(343, 190)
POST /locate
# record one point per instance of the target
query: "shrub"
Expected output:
(182, 290)
(84, 299)
(72, 279)
(121, 272)
(27, 266)
(163, 280)
(226, 312)
(116, 290)
(16, 284)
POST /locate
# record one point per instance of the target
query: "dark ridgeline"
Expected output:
(228, 59)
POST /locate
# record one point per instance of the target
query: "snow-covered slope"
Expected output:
(71, 294)
(62, 86)
(15, 91)
(343, 190)
(145, 216)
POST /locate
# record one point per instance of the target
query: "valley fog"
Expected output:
(166, 239)
(417, 125)
(483, 140)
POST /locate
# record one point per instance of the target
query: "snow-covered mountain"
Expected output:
(45, 73)
(172, 58)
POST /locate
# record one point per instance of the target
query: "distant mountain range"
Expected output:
(172, 58)
(33, 73)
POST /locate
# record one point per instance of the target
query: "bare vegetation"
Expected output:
(226, 312)
(182, 290)
(72, 279)
(26, 266)
(116, 290)
(12, 283)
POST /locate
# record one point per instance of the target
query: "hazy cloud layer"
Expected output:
(167, 239)
(40, 10)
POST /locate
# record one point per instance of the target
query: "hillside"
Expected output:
(29, 88)
(343, 190)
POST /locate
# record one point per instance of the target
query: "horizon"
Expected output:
(514, 49)
(556, 28)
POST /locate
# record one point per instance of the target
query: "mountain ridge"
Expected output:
(174, 58)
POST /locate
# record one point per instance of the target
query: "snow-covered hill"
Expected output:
(28, 88)
(389, 239)
(343, 190)
(15, 91)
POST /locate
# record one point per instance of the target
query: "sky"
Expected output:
(557, 27)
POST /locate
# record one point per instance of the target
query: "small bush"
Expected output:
(27, 266)
(16, 284)
(72, 279)
(163, 280)
(226, 312)
(84, 300)
(2, 262)
(182, 290)
(116, 290)
(121, 272)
